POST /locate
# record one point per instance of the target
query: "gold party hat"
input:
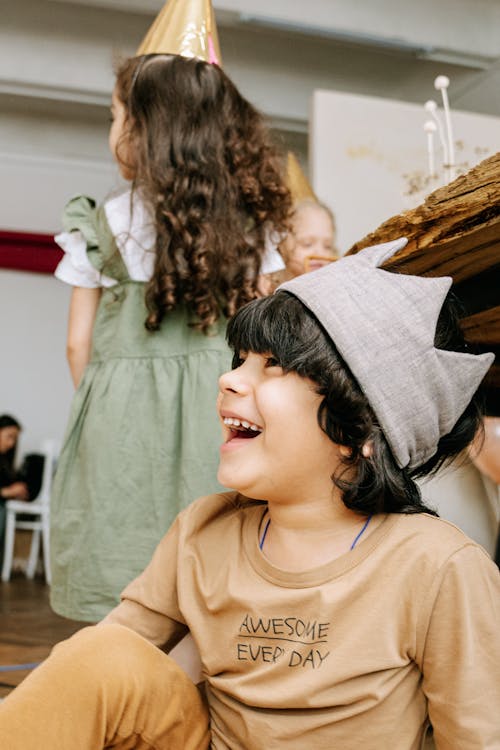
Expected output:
(297, 182)
(184, 27)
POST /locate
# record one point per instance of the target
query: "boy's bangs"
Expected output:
(256, 328)
(278, 325)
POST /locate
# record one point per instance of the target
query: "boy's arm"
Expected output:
(461, 657)
(154, 626)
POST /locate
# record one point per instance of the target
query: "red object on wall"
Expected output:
(22, 251)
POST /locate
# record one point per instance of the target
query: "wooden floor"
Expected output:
(28, 627)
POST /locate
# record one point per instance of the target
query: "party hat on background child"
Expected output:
(297, 182)
(184, 27)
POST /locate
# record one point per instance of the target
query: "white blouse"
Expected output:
(132, 226)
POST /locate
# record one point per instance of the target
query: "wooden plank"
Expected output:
(480, 292)
(492, 379)
(455, 232)
(460, 257)
(483, 327)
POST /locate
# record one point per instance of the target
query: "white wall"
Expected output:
(365, 150)
(35, 385)
(39, 188)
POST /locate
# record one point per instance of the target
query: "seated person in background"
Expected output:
(485, 451)
(469, 496)
(485, 454)
(10, 484)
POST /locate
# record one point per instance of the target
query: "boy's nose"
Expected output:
(225, 381)
(232, 382)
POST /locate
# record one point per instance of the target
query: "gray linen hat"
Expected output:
(383, 324)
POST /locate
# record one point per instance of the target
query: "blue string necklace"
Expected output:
(263, 538)
(356, 540)
(361, 532)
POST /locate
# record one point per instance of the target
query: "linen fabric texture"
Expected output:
(359, 652)
(143, 435)
(87, 696)
(383, 325)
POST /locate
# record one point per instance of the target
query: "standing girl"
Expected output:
(156, 270)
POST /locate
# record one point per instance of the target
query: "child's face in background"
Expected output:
(312, 234)
(277, 451)
(119, 143)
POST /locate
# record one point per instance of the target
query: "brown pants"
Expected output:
(105, 687)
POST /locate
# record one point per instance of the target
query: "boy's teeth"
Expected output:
(233, 422)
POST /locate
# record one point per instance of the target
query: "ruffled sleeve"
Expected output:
(79, 238)
(272, 260)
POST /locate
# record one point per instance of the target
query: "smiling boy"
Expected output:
(330, 606)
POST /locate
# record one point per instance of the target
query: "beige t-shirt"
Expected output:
(353, 654)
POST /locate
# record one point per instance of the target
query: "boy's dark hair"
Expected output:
(281, 325)
(204, 161)
(7, 421)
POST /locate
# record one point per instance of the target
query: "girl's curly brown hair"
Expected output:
(204, 161)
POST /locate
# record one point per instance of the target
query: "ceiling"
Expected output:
(374, 47)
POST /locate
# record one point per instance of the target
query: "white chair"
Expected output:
(39, 525)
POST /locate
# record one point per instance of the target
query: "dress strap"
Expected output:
(82, 214)
(106, 256)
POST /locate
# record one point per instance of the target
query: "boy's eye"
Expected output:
(238, 360)
(272, 362)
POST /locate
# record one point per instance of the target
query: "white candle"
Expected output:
(430, 128)
(441, 84)
(431, 107)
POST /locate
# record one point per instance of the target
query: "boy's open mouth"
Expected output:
(241, 428)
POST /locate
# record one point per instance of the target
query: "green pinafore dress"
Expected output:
(142, 440)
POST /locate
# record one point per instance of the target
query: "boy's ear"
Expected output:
(367, 449)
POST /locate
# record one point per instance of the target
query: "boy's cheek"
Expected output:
(218, 404)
